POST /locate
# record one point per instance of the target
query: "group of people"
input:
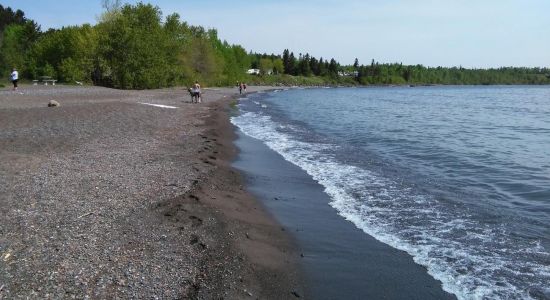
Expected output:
(196, 94)
(242, 87)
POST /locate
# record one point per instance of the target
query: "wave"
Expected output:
(471, 259)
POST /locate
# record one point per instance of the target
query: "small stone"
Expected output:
(53, 103)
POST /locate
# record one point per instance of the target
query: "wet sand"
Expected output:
(339, 260)
(107, 197)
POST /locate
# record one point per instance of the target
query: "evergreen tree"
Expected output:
(322, 68)
(333, 68)
(8, 17)
(314, 66)
(291, 69)
(286, 61)
(304, 67)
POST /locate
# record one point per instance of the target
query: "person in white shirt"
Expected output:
(14, 78)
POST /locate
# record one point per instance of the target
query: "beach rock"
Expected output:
(53, 103)
(295, 294)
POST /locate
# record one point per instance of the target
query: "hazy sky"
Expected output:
(471, 33)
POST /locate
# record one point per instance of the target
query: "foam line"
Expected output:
(449, 243)
(157, 105)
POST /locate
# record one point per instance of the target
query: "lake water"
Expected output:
(458, 177)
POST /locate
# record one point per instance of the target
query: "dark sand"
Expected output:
(105, 197)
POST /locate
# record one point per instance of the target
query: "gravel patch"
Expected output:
(99, 198)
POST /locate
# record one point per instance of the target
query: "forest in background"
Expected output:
(135, 47)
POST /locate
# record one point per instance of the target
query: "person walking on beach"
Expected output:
(244, 87)
(240, 88)
(196, 92)
(14, 77)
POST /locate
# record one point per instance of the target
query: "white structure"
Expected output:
(253, 72)
(345, 73)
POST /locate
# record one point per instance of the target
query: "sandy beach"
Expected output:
(108, 196)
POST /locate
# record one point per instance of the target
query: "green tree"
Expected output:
(9, 17)
(291, 68)
(12, 52)
(70, 51)
(303, 65)
(286, 61)
(17, 34)
(333, 68)
(266, 66)
(278, 66)
(16, 41)
(135, 48)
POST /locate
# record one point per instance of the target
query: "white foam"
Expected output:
(410, 222)
(158, 105)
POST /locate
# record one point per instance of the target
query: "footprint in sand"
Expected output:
(196, 221)
(206, 161)
(196, 241)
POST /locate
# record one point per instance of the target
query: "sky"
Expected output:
(467, 33)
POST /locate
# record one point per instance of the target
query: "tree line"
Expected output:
(376, 73)
(135, 47)
(131, 47)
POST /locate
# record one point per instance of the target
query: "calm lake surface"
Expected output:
(458, 177)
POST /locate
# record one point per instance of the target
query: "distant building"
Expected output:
(346, 73)
(253, 71)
